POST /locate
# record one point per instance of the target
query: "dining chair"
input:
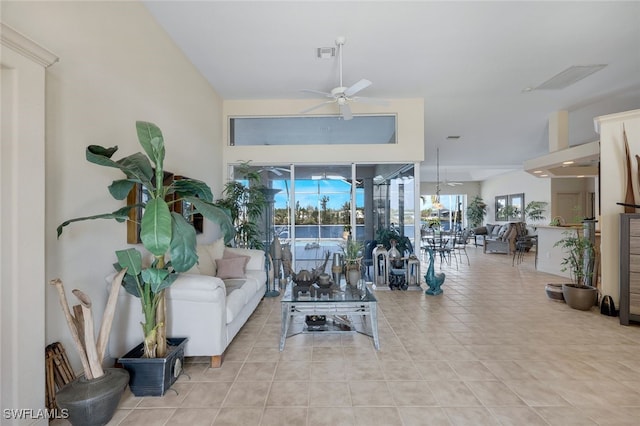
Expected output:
(460, 244)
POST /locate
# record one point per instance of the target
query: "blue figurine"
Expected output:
(433, 280)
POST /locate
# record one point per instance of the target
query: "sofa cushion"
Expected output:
(233, 267)
(207, 255)
(235, 302)
(234, 284)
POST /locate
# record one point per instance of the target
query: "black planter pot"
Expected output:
(153, 376)
(93, 402)
(580, 297)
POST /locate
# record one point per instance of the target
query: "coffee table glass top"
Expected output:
(333, 294)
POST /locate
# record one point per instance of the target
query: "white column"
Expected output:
(22, 219)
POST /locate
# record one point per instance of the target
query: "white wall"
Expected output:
(116, 66)
(534, 189)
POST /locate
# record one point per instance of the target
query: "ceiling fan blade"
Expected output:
(345, 111)
(372, 101)
(316, 106)
(317, 92)
(362, 84)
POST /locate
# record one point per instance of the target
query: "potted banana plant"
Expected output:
(163, 232)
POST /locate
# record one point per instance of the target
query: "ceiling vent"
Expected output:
(569, 76)
(326, 52)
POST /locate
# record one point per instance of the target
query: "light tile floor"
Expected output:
(492, 350)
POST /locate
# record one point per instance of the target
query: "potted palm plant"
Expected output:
(162, 231)
(578, 261)
(534, 210)
(246, 204)
(476, 211)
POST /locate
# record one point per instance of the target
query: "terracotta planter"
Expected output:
(580, 297)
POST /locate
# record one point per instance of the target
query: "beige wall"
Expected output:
(613, 184)
(534, 189)
(116, 66)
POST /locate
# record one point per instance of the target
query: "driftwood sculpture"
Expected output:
(82, 328)
(629, 199)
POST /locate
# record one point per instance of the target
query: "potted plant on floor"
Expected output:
(162, 232)
(246, 204)
(92, 398)
(578, 261)
(476, 211)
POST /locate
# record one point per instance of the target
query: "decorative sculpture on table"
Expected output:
(433, 280)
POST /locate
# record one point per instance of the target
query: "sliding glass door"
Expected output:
(316, 207)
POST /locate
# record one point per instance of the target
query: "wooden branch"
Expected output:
(109, 312)
(89, 339)
(78, 320)
(74, 332)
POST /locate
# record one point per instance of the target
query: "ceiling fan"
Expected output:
(278, 171)
(448, 182)
(445, 182)
(342, 95)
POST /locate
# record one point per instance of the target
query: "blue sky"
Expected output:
(307, 193)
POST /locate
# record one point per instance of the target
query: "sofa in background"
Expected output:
(209, 304)
(500, 238)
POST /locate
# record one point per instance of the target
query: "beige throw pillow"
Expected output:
(207, 255)
(233, 267)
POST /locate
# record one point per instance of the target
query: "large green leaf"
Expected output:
(183, 244)
(189, 187)
(119, 189)
(135, 166)
(154, 277)
(120, 215)
(164, 284)
(131, 259)
(155, 227)
(129, 282)
(146, 133)
(215, 214)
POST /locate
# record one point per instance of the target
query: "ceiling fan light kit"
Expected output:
(342, 95)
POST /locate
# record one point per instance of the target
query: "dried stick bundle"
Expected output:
(82, 328)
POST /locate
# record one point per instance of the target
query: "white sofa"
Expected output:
(205, 308)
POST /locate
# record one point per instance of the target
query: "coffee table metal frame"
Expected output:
(348, 302)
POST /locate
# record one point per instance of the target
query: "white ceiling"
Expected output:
(470, 61)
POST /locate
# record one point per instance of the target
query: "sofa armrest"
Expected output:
(197, 288)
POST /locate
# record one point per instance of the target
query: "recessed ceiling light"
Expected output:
(537, 171)
(567, 162)
(580, 176)
(544, 175)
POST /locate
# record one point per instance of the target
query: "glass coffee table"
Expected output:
(332, 310)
